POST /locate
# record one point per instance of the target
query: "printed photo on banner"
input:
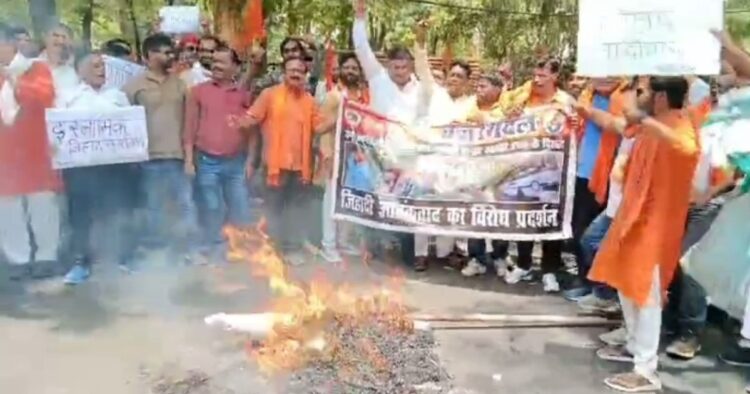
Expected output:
(180, 19)
(82, 138)
(511, 179)
(646, 37)
(120, 71)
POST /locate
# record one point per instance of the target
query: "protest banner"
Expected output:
(649, 37)
(119, 71)
(82, 137)
(180, 19)
(510, 180)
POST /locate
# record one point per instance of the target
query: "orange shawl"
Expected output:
(610, 140)
(303, 107)
(648, 228)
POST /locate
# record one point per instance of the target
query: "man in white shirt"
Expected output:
(394, 92)
(98, 192)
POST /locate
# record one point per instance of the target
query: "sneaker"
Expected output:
(331, 256)
(575, 294)
(18, 272)
(618, 337)
(684, 348)
(633, 382)
(737, 356)
(615, 353)
(77, 275)
(421, 264)
(351, 250)
(550, 283)
(592, 303)
(517, 275)
(295, 259)
(501, 267)
(474, 268)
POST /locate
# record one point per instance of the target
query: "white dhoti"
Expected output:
(34, 215)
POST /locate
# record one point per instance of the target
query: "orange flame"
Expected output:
(306, 312)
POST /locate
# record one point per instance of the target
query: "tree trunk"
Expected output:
(136, 34)
(43, 13)
(87, 19)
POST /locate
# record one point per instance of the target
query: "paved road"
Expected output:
(118, 334)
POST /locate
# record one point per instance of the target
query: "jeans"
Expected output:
(590, 242)
(329, 225)
(478, 250)
(164, 183)
(101, 194)
(687, 307)
(585, 210)
(223, 196)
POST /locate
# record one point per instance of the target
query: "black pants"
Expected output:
(585, 210)
(551, 256)
(478, 250)
(286, 202)
(108, 194)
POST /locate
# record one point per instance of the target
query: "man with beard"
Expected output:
(201, 68)
(217, 154)
(29, 187)
(350, 86)
(641, 250)
(163, 179)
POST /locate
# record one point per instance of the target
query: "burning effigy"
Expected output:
(332, 338)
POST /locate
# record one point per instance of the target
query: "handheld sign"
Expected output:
(82, 137)
(649, 37)
(120, 71)
(180, 19)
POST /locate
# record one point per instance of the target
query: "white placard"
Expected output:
(82, 137)
(180, 19)
(119, 71)
(649, 37)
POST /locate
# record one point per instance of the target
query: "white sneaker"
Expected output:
(501, 267)
(618, 337)
(473, 268)
(517, 275)
(331, 256)
(550, 283)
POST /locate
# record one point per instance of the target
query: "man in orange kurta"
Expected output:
(639, 254)
(288, 117)
(29, 187)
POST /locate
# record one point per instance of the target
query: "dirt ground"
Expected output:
(144, 333)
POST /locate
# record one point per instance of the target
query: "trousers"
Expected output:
(30, 218)
(643, 326)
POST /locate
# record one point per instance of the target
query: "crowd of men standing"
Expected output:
(216, 121)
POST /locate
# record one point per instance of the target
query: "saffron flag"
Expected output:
(254, 29)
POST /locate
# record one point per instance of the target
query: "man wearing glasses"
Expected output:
(164, 182)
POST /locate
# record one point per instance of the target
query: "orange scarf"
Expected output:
(276, 132)
(610, 140)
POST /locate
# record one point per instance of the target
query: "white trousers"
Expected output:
(443, 245)
(329, 225)
(36, 215)
(746, 321)
(643, 326)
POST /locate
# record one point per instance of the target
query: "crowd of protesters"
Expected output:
(217, 121)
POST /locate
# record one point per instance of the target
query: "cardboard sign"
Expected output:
(649, 37)
(180, 19)
(119, 71)
(82, 137)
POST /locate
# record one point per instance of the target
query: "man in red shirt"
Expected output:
(217, 153)
(29, 186)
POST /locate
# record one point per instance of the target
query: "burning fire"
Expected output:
(308, 317)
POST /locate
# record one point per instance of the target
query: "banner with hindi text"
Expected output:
(511, 180)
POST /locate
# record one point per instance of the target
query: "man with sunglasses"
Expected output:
(163, 179)
(200, 53)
